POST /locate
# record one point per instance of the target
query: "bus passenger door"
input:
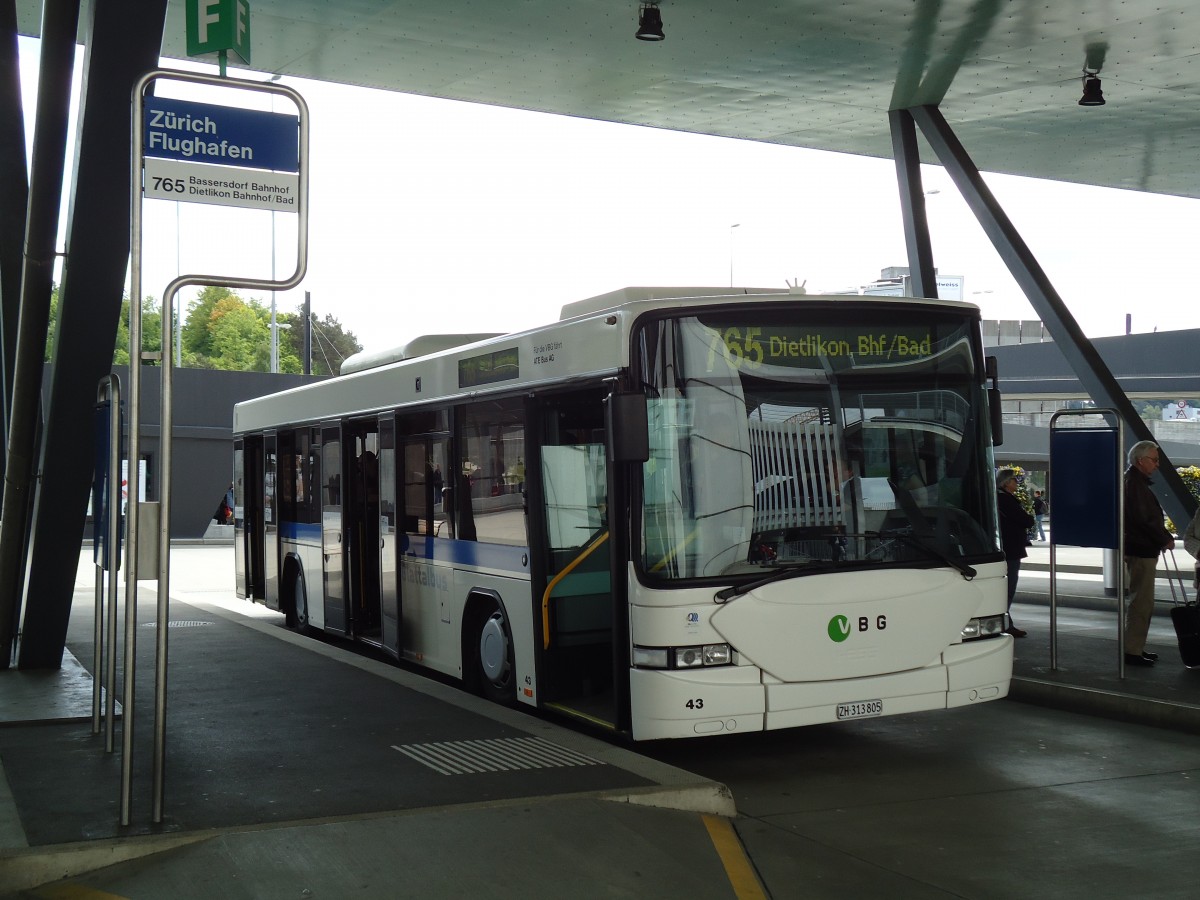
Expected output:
(241, 578)
(360, 527)
(331, 528)
(389, 596)
(573, 578)
(248, 497)
(270, 521)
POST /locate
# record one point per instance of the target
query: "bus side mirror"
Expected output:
(991, 371)
(997, 417)
(628, 431)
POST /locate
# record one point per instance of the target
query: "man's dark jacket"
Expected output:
(1145, 533)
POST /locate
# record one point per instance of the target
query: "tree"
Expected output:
(53, 329)
(196, 338)
(239, 337)
(151, 331)
(225, 331)
(331, 343)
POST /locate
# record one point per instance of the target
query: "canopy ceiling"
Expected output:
(806, 73)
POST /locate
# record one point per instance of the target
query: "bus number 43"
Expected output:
(695, 704)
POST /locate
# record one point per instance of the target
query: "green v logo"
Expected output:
(839, 629)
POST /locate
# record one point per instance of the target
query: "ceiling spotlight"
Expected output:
(650, 23)
(1092, 95)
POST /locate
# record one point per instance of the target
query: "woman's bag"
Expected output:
(1185, 616)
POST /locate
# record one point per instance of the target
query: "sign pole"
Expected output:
(153, 121)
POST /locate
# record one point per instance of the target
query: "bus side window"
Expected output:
(426, 495)
(489, 503)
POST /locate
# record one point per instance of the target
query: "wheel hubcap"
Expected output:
(493, 648)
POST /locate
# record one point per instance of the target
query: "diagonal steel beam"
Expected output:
(1091, 370)
(122, 43)
(14, 200)
(60, 20)
(912, 204)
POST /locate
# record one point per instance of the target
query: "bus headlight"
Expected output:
(683, 657)
(983, 627)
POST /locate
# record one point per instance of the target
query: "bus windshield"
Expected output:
(814, 440)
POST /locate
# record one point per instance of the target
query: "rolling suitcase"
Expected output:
(1185, 617)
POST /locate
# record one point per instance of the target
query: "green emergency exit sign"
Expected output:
(214, 26)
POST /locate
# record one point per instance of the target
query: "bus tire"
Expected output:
(297, 607)
(493, 656)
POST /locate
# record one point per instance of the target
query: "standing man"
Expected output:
(1039, 513)
(1014, 530)
(1145, 538)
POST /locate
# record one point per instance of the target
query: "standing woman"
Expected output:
(1191, 542)
(1014, 530)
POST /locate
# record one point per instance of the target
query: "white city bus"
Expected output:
(670, 517)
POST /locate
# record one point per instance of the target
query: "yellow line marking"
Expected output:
(742, 877)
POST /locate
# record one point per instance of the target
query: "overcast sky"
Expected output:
(433, 216)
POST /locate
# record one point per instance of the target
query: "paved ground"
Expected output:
(255, 808)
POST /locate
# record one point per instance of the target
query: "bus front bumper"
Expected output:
(730, 699)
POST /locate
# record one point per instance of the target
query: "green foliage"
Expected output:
(236, 337)
(226, 331)
(1151, 412)
(53, 330)
(223, 330)
(1191, 477)
(331, 343)
(151, 331)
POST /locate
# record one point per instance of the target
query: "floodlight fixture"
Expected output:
(1092, 95)
(649, 23)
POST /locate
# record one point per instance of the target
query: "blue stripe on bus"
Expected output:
(466, 553)
(298, 531)
(503, 557)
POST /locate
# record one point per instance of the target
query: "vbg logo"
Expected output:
(839, 626)
(693, 617)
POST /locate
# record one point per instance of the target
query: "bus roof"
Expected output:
(590, 341)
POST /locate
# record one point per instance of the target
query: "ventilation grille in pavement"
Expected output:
(495, 755)
(177, 623)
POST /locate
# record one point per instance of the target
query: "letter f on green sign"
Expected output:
(216, 25)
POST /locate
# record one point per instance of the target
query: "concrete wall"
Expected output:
(202, 460)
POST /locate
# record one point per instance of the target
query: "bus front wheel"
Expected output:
(493, 657)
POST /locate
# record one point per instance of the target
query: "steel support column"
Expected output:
(1091, 370)
(123, 42)
(14, 200)
(912, 204)
(60, 21)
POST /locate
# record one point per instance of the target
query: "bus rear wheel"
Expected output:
(297, 616)
(493, 657)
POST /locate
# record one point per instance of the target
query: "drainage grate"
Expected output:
(177, 623)
(495, 755)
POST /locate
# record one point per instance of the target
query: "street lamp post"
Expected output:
(731, 227)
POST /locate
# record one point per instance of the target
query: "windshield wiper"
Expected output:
(782, 571)
(923, 530)
(967, 571)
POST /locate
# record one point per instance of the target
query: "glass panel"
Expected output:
(424, 462)
(853, 439)
(493, 466)
(573, 482)
(331, 528)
